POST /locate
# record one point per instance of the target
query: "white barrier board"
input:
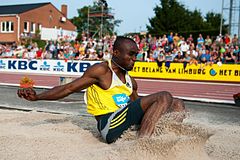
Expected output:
(45, 67)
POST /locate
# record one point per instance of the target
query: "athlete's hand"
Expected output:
(27, 93)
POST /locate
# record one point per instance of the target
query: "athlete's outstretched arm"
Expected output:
(91, 76)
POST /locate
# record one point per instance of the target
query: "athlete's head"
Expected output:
(124, 52)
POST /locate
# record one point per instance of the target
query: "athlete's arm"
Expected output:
(134, 94)
(91, 76)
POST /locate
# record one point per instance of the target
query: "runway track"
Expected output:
(197, 91)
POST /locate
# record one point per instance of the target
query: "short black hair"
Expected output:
(119, 42)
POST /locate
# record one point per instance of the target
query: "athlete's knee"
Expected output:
(165, 96)
(178, 105)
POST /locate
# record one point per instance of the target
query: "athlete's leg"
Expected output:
(154, 106)
(177, 105)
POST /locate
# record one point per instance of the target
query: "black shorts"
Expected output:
(112, 125)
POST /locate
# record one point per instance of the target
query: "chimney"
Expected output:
(64, 10)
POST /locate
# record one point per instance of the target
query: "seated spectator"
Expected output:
(140, 56)
(227, 39)
(30, 54)
(82, 49)
(46, 54)
(193, 58)
(76, 47)
(193, 61)
(72, 53)
(235, 40)
(39, 54)
(191, 45)
(81, 57)
(221, 58)
(208, 42)
(230, 58)
(164, 40)
(156, 52)
(214, 56)
(178, 58)
(186, 58)
(107, 56)
(193, 53)
(184, 47)
(190, 39)
(18, 53)
(152, 44)
(222, 49)
(236, 53)
(100, 54)
(205, 57)
(169, 57)
(67, 53)
(93, 56)
(151, 59)
(176, 39)
(160, 59)
(145, 51)
(200, 41)
(174, 53)
(170, 38)
(167, 47)
(61, 55)
(91, 49)
(7, 53)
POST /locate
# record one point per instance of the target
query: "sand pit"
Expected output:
(41, 136)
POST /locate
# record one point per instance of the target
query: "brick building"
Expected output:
(26, 20)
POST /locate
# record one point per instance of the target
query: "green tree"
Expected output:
(81, 20)
(172, 16)
(213, 21)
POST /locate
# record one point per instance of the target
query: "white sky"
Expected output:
(134, 13)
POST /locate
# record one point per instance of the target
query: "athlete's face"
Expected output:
(128, 55)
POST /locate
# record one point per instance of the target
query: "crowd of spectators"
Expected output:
(175, 48)
(166, 48)
(87, 49)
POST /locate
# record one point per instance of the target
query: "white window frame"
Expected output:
(4, 28)
(33, 27)
(25, 29)
(39, 27)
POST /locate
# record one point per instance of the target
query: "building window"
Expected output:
(39, 27)
(26, 27)
(7, 26)
(32, 27)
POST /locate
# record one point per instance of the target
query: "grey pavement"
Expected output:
(213, 114)
(73, 104)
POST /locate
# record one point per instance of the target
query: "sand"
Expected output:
(41, 136)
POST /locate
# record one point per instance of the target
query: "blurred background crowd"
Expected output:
(165, 48)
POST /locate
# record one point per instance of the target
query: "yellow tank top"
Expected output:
(100, 101)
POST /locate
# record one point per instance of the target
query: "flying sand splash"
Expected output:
(171, 140)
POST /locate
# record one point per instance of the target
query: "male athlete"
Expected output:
(112, 95)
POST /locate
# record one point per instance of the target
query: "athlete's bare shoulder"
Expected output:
(98, 70)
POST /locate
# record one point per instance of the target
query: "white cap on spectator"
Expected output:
(19, 47)
(91, 50)
(219, 64)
